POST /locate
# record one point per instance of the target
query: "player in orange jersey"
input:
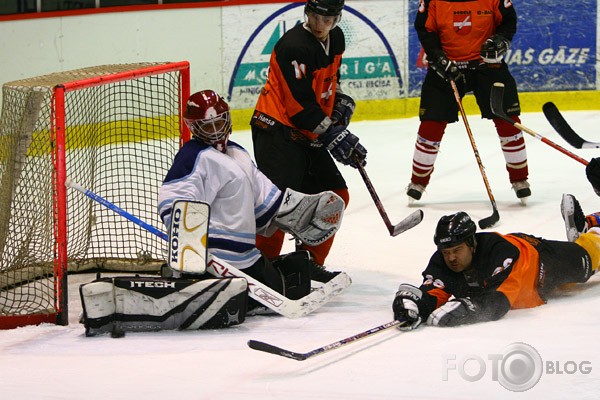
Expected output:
(301, 117)
(466, 41)
(489, 273)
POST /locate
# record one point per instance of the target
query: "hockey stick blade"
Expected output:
(407, 223)
(563, 128)
(490, 221)
(269, 348)
(496, 98)
(394, 230)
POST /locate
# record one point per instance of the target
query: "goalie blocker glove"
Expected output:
(311, 218)
(343, 109)
(344, 146)
(405, 306)
(494, 49)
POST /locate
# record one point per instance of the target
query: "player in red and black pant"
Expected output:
(301, 117)
(465, 41)
(490, 273)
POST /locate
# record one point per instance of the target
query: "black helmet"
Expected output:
(325, 7)
(455, 229)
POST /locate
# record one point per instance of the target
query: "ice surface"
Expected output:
(53, 362)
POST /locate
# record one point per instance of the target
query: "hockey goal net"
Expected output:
(114, 130)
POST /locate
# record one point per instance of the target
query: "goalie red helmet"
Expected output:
(455, 229)
(207, 116)
(325, 7)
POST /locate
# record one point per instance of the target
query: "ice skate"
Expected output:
(522, 190)
(414, 192)
(575, 223)
(320, 274)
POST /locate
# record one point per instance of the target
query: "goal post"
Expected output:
(114, 129)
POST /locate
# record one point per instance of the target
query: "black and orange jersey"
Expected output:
(302, 80)
(460, 27)
(504, 274)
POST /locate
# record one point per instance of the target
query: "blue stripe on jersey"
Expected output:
(227, 244)
(264, 219)
(251, 236)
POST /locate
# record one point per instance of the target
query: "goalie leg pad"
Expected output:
(98, 300)
(295, 271)
(152, 304)
(311, 218)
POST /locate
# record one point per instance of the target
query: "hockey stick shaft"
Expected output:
(560, 125)
(257, 290)
(495, 217)
(497, 109)
(115, 208)
(414, 219)
(269, 348)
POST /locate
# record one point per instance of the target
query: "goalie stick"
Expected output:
(269, 348)
(409, 222)
(496, 98)
(490, 221)
(256, 290)
(563, 128)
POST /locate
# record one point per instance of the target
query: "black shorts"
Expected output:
(438, 102)
(561, 263)
(295, 165)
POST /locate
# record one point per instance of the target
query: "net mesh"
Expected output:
(120, 141)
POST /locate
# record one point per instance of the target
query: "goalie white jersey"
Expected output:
(242, 199)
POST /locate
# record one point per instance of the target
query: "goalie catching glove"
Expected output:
(494, 49)
(311, 218)
(405, 306)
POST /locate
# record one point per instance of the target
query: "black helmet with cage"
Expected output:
(455, 229)
(330, 8)
(207, 116)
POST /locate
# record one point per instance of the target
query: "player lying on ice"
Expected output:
(476, 277)
(212, 175)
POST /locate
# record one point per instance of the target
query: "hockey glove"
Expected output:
(446, 68)
(494, 49)
(344, 146)
(311, 218)
(455, 312)
(405, 306)
(343, 108)
(592, 171)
